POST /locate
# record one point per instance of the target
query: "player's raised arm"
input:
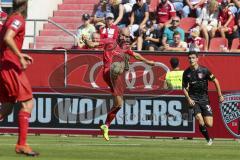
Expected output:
(137, 56)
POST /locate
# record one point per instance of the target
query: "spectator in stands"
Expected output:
(177, 44)
(3, 16)
(110, 30)
(208, 21)
(151, 37)
(234, 6)
(139, 17)
(193, 6)
(195, 42)
(96, 38)
(121, 10)
(226, 20)
(173, 79)
(101, 12)
(85, 30)
(99, 26)
(168, 32)
(128, 5)
(165, 12)
(178, 5)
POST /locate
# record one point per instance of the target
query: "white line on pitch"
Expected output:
(61, 144)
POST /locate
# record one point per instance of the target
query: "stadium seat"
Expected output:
(235, 44)
(217, 44)
(187, 23)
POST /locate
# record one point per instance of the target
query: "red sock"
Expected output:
(111, 115)
(23, 124)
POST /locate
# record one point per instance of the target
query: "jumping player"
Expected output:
(114, 59)
(195, 88)
(14, 85)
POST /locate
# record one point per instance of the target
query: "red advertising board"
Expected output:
(75, 77)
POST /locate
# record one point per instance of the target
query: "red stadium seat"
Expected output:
(235, 44)
(187, 23)
(217, 44)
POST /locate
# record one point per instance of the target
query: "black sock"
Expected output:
(203, 130)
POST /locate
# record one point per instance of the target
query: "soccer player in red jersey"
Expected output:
(115, 59)
(14, 85)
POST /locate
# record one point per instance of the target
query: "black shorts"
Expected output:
(202, 107)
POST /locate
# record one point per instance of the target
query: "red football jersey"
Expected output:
(16, 23)
(165, 12)
(111, 50)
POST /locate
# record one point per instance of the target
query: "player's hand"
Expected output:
(221, 98)
(28, 58)
(25, 60)
(148, 38)
(191, 102)
(151, 63)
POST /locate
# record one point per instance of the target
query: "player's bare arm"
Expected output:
(218, 88)
(190, 101)
(24, 59)
(137, 56)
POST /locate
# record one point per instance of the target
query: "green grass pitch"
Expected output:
(54, 147)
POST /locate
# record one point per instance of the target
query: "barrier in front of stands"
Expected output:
(71, 97)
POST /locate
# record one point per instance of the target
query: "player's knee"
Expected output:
(209, 125)
(27, 105)
(119, 104)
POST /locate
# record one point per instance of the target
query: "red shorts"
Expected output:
(14, 85)
(117, 86)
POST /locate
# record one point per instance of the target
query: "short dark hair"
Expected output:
(176, 33)
(174, 62)
(193, 53)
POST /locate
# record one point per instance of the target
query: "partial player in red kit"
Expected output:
(14, 85)
(115, 59)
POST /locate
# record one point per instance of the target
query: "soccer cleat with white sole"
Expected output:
(105, 130)
(210, 142)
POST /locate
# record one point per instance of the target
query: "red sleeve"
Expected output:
(239, 47)
(172, 10)
(173, 13)
(130, 52)
(115, 36)
(16, 24)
